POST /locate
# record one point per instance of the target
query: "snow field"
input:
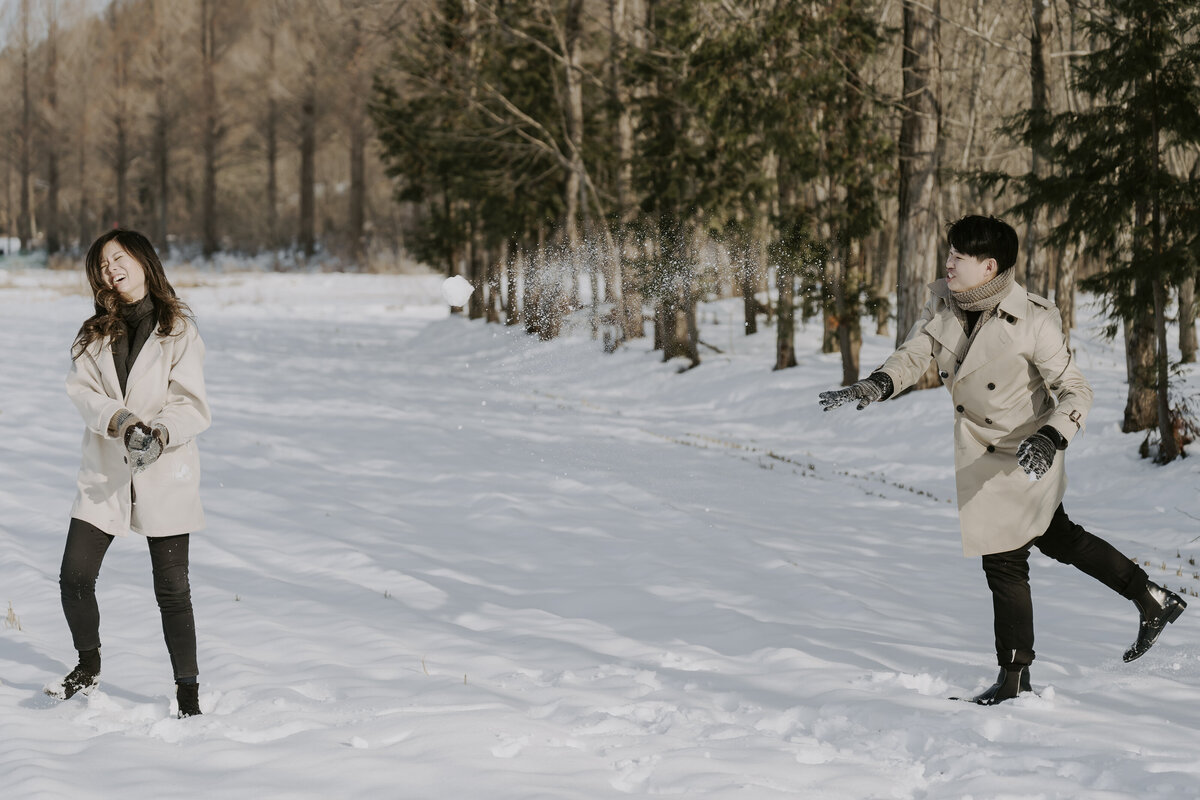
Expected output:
(444, 559)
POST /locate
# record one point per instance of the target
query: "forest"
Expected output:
(627, 160)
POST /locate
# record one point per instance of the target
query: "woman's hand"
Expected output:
(145, 445)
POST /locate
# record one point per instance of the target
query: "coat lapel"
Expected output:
(945, 327)
(151, 352)
(102, 354)
(996, 337)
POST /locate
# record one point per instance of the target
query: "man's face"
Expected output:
(965, 272)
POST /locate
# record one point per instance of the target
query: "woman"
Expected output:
(137, 378)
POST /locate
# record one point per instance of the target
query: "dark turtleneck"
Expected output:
(972, 319)
(139, 324)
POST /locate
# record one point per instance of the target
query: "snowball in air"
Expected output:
(456, 290)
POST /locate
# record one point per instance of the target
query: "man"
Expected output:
(1019, 399)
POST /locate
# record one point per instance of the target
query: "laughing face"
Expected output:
(965, 272)
(122, 272)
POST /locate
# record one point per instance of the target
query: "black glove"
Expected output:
(1036, 454)
(877, 386)
(145, 445)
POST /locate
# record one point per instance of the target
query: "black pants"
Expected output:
(1008, 578)
(86, 546)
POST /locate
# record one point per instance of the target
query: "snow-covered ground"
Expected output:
(445, 560)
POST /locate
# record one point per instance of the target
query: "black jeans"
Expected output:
(1008, 578)
(86, 546)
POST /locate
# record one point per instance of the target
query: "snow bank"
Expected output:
(446, 560)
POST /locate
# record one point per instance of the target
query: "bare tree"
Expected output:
(51, 128)
(25, 136)
(624, 34)
(117, 117)
(920, 151)
(356, 124)
(162, 81)
(308, 155)
(1036, 265)
(209, 131)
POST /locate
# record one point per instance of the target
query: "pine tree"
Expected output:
(1109, 176)
(856, 154)
(467, 126)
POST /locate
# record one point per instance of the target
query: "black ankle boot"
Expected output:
(1157, 607)
(188, 696)
(80, 680)
(1009, 683)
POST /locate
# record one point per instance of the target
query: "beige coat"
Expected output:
(165, 386)
(1017, 376)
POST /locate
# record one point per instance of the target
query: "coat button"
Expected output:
(991, 448)
(960, 409)
(991, 387)
(125, 459)
(987, 421)
(944, 374)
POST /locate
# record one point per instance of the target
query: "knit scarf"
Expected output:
(985, 298)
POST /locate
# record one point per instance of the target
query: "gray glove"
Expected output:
(1035, 455)
(122, 424)
(876, 386)
(145, 445)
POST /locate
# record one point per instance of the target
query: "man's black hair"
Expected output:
(985, 237)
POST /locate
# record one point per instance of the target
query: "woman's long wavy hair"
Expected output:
(169, 310)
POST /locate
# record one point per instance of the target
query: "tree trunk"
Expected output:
(476, 267)
(785, 318)
(511, 254)
(85, 225)
(625, 34)
(680, 331)
(749, 281)
(1064, 293)
(573, 186)
(53, 232)
(492, 270)
(356, 120)
(1141, 405)
(883, 280)
(308, 151)
(830, 289)
(272, 143)
(1036, 265)
(25, 140)
(119, 116)
(358, 184)
(121, 168)
(1187, 320)
(162, 122)
(1168, 448)
(919, 146)
(208, 203)
(849, 326)
(762, 248)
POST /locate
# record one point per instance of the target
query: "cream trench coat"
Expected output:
(1017, 376)
(165, 386)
